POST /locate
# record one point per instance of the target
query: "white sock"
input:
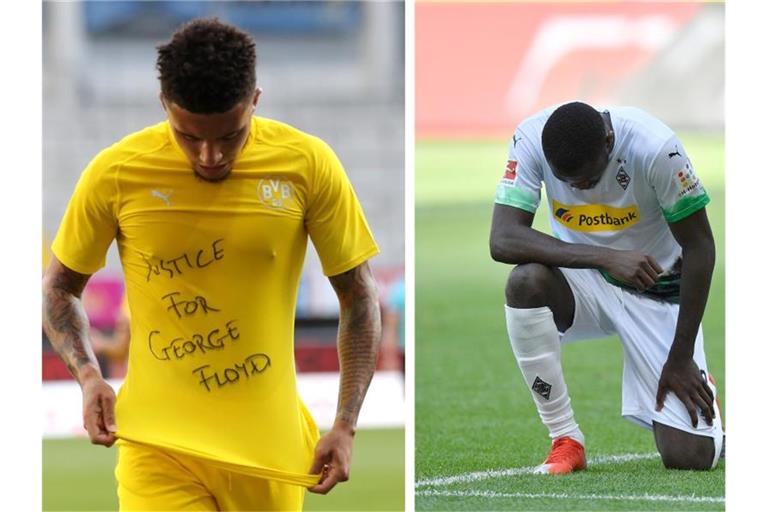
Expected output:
(536, 344)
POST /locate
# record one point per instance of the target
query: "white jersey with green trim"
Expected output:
(648, 183)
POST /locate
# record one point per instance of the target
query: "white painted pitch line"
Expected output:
(622, 497)
(498, 473)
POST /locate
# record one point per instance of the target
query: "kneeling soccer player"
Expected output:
(632, 255)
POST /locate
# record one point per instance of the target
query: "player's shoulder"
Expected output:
(283, 135)
(526, 139)
(106, 164)
(134, 145)
(641, 129)
(533, 125)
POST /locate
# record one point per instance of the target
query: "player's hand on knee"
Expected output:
(333, 456)
(687, 381)
(635, 268)
(99, 411)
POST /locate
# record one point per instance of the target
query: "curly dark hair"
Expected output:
(574, 135)
(207, 66)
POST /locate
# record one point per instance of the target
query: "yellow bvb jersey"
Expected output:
(212, 273)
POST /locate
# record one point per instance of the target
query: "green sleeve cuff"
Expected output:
(685, 207)
(518, 197)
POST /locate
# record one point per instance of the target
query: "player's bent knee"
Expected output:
(687, 461)
(527, 286)
(682, 450)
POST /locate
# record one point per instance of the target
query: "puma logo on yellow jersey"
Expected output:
(595, 217)
(165, 195)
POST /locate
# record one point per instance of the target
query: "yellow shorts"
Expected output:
(151, 478)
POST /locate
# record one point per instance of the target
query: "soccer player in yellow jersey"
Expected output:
(211, 210)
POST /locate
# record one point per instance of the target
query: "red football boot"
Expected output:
(567, 455)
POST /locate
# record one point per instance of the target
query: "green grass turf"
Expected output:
(79, 476)
(473, 411)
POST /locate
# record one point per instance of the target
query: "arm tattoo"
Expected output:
(64, 319)
(359, 337)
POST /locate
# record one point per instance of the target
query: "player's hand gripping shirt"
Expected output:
(212, 273)
(648, 183)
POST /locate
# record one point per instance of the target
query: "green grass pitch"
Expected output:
(473, 411)
(80, 476)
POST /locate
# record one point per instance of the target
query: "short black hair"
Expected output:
(208, 66)
(574, 135)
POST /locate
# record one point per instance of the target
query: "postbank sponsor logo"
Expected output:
(595, 217)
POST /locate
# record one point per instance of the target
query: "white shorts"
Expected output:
(646, 327)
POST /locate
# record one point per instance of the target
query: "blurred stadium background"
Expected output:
(480, 69)
(513, 59)
(331, 68)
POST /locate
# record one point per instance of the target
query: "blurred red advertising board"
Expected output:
(481, 68)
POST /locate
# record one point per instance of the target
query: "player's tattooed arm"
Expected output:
(65, 321)
(358, 344)
(358, 339)
(66, 326)
(680, 373)
(514, 241)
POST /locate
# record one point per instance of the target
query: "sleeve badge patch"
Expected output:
(511, 171)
